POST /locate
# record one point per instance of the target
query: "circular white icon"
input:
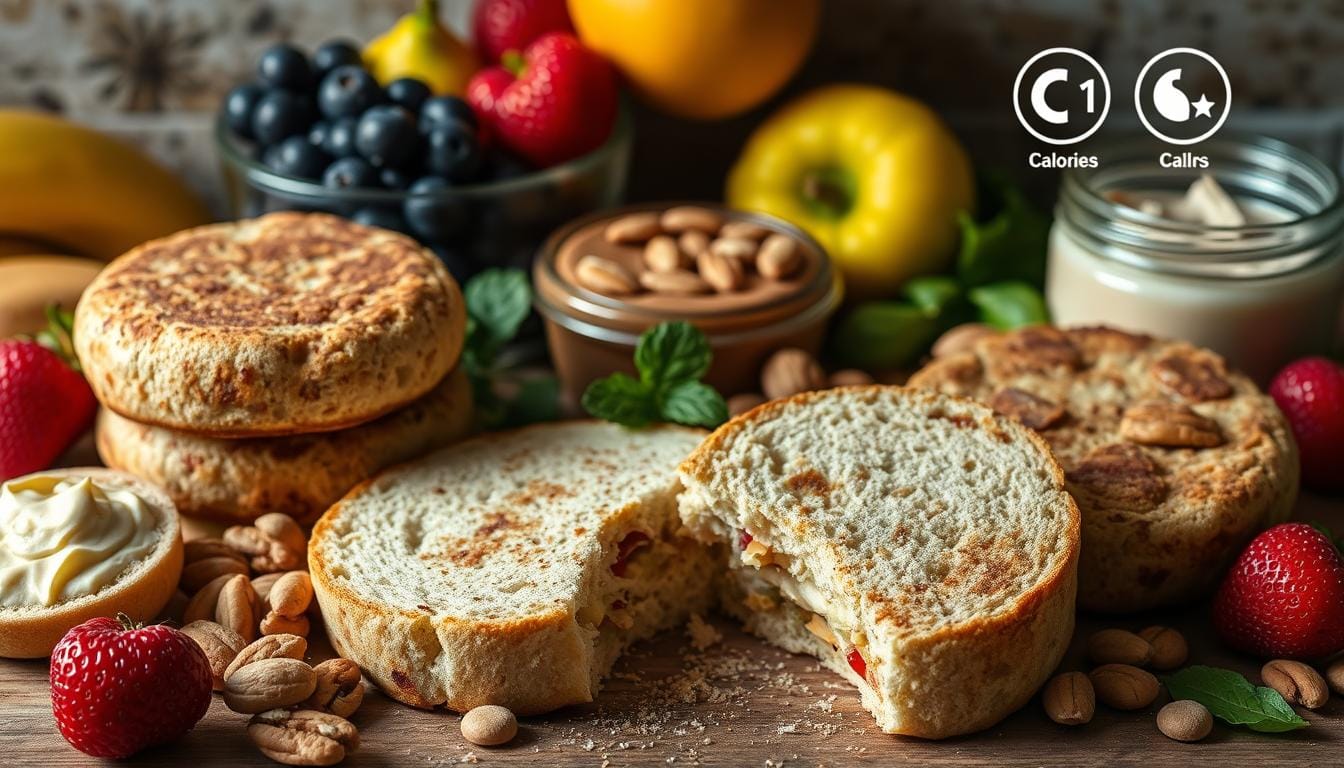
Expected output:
(1070, 66)
(1173, 103)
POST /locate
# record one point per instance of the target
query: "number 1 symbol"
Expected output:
(1089, 87)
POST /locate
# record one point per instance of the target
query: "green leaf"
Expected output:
(538, 399)
(1232, 699)
(1010, 305)
(882, 335)
(1008, 244)
(498, 301)
(671, 353)
(694, 404)
(622, 399)
(934, 293)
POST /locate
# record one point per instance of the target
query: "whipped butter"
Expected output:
(62, 538)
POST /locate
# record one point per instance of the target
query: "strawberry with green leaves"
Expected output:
(45, 403)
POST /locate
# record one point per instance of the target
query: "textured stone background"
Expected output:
(154, 70)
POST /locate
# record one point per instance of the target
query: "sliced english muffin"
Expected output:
(512, 568)
(80, 543)
(301, 475)
(286, 323)
(1175, 460)
(919, 545)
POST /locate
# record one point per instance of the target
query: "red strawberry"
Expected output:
(512, 25)
(1310, 392)
(44, 402)
(117, 688)
(1284, 597)
(555, 102)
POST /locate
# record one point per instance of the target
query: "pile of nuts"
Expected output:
(246, 600)
(688, 250)
(792, 371)
(1121, 682)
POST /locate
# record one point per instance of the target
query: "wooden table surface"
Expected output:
(737, 703)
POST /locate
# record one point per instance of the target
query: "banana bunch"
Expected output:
(71, 199)
(83, 192)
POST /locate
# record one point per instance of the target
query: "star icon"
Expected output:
(1203, 107)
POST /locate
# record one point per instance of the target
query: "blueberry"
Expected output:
(453, 152)
(386, 136)
(340, 138)
(347, 91)
(335, 53)
(279, 115)
(284, 66)
(296, 157)
(239, 105)
(441, 110)
(432, 218)
(407, 92)
(350, 173)
(317, 133)
(380, 217)
(392, 178)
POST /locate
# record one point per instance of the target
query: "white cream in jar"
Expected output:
(62, 538)
(1261, 293)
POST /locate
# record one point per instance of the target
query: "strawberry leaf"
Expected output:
(1232, 699)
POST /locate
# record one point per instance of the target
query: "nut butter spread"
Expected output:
(63, 538)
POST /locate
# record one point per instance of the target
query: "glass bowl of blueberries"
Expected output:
(320, 134)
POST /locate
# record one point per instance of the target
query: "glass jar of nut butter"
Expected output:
(751, 283)
(1243, 257)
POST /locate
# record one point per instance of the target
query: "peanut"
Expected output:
(678, 282)
(1069, 699)
(778, 257)
(693, 242)
(1116, 646)
(724, 274)
(684, 217)
(1122, 686)
(746, 230)
(1169, 647)
(632, 228)
(604, 276)
(738, 249)
(662, 254)
(1299, 683)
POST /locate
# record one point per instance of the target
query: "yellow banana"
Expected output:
(420, 46)
(85, 191)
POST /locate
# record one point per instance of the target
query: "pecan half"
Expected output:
(1192, 374)
(339, 688)
(1034, 412)
(303, 737)
(274, 542)
(1118, 475)
(1155, 422)
(1037, 349)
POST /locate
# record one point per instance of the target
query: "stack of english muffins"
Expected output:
(271, 364)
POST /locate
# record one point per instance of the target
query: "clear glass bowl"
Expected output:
(471, 227)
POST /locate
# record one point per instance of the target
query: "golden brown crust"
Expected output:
(237, 481)
(32, 633)
(1175, 460)
(283, 324)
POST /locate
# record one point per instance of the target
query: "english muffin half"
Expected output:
(80, 543)
(1175, 460)
(286, 323)
(301, 475)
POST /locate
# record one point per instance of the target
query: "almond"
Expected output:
(291, 593)
(790, 371)
(1116, 646)
(684, 217)
(724, 274)
(693, 242)
(746, 230)
(632, 228)
(1069, 699)
(1169, 647)
(738, 249)
(202, 572)
(237, 607)
(1185, 720)
(778, 257)
(1299, 683)
(661, 254)
(678, 282)
(202, 605)
(271, 647)
(1122, 686)
(263, 583)
(604, 276)
(269, 684)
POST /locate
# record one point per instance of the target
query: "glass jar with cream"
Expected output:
(1256, 274)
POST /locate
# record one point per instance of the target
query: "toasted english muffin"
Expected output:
(919, 545)
(136, 579)
(1175, 460)
(301, 475)
(282, 324)
(512, 568)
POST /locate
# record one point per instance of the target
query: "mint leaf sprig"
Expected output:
(1232, 699)
(498, 301)
(671, 359)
